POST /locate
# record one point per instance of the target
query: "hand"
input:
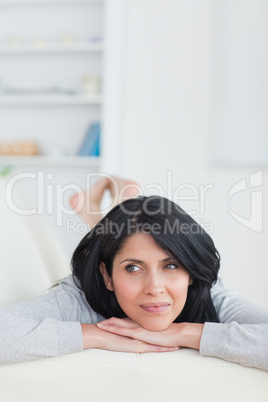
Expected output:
(94, 337)
(176, 335)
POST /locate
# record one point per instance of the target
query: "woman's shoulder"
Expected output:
(69, 293)
(69, 284)
(218, 285)
(219, 291)
(65, 301)
(230, 306)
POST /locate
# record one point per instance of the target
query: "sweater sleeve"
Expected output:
(242, 334)
(45, 326)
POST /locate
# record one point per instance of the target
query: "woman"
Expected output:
(143, 281)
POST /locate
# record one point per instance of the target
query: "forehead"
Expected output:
(141, 245)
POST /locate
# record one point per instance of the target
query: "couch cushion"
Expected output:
(98, 375)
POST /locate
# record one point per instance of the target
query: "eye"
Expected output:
(132, 268)
(171, 267)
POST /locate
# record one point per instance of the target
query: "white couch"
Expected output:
(31, 255)
(29, 249)
(101, 376)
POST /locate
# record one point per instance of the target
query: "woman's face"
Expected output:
(150, 287)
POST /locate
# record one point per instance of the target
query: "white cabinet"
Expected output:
(47, 48)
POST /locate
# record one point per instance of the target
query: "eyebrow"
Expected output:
(139, 261)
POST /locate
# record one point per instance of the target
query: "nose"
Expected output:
(153, 284)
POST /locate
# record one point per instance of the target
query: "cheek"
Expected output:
(125, 292)
(180, 290)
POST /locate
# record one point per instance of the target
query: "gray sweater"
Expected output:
(49, 325)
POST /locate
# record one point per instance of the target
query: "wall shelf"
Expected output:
(45, 2)
(85, 47)
(55, 161)
(50, 100)
(44, 86)
(43, 94)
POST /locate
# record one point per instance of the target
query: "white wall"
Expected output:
(167, 127)
(170, 97)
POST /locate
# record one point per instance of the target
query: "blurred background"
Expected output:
(170, 93)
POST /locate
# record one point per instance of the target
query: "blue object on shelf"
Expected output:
(91, 143)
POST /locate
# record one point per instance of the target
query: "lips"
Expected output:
(155, 308)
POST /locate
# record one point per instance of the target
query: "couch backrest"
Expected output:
(31, 255)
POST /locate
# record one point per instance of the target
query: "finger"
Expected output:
(138, 334)
(124, 344)
(117, 322)
(119, 330)
(156, 349)
(136, 346)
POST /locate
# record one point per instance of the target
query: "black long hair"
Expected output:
(173, 230)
